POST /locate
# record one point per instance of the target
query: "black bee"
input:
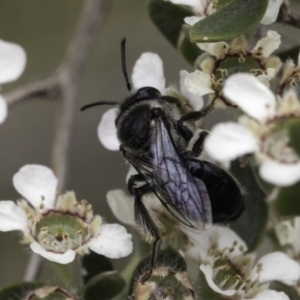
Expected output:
(154, 131)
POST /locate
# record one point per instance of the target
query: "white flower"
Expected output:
(263, 133)
(122, 205)
(204, 8)
(288, 233)
(225, 60)
(147, 71)
(232, 273)
(12, 64)
(59, 227)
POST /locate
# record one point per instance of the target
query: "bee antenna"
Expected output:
(98, 103)
(123, 60)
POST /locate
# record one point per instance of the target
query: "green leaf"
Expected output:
(251, 225)
(291, 53)
(18, 291)
(294, 134)
(287, 202)
(233, 20)
(94, 264)
(189, 51)
(202, 290)
(168, 18)
(104, 286)
(290, 291)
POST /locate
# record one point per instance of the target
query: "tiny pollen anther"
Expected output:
(45, 241)
(79, 232)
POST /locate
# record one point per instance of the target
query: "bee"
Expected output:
(154, 131)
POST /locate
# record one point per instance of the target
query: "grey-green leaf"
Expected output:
(168, 18)
(256, 209)
(294, 134)
(104, 286)
(287, 202)
(233, 20)
(94, 264)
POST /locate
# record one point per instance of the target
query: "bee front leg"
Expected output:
(147, 226)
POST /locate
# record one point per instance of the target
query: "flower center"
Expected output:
(277, 144)
(59, 232)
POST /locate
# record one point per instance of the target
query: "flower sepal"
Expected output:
(169, 279)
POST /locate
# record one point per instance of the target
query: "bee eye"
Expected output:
(135, 128)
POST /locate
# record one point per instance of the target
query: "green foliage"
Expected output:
(233, 20)
(188, 50)
(294, 134)
(290, 291)
(287, 202)
(291, 53)
(251, 225)
(94, 264)
(202, 290)
(18, 291)
(168, 18)
(104, 286)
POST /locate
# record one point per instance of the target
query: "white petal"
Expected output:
(12, 61)
(268, 44)
(267, 76)
(37, 184)
(270, 295)
(276, 266)
(196, 102)
(279, 173)
(252, 96)
(230, 140)
(198, 83)
(12, 217)
(216, 49)
(272, 12)
(192, 20)
(122, 206)
(61, 258)
(223, 237)
(107, 131)
(196, 4)
(3, 109)
(113, 241)
(208, 272)
(286, 233)
(148, 71)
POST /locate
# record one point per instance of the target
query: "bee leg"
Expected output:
(198, 145)
(197, 115)
(184, 131)
(146, 225)
(137, 178)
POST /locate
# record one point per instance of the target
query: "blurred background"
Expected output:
(44, 29)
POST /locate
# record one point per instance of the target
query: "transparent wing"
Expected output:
(184, 195)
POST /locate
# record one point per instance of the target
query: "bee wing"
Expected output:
(184, 195)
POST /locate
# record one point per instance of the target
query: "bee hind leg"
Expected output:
(198, 145)
(147, 227)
